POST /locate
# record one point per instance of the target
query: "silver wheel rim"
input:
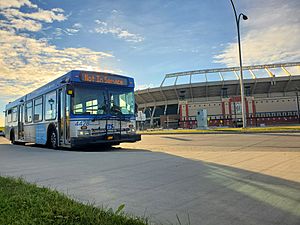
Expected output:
(53, 140)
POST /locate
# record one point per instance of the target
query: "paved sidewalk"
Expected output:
(207, 179)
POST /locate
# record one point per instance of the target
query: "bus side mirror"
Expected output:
(70, 91)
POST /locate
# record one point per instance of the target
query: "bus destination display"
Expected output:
(103, 78)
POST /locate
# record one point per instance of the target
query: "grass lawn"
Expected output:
(225, 130)
(24, 203)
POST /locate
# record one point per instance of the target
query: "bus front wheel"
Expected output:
(12, 138)
(52, 139)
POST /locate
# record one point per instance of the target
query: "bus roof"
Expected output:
(76, 76)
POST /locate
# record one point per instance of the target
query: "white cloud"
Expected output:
(27, 63)
(270, 35)
(105, 28)
(144, 86)
(68, 31)
(17, 20)
(59, 10)
(47, 16)
(74, 29)
(77, 25)
(22, 24)
(16, 4)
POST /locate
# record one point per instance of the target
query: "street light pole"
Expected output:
(298, 107)
(237, 19)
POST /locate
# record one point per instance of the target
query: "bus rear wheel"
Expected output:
(52, 139)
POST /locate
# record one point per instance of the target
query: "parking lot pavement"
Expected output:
(204, 179)
(271, 154)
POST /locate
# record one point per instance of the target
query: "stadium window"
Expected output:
(9, 115)
(247, 91)
(14, 114)
(50, 106)
(224, 93)
(38, 110)
(28, 112)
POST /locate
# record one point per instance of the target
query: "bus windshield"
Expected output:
(93, 101)
(121, 103)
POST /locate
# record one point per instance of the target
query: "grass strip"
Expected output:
(24, 203)
(224, 130)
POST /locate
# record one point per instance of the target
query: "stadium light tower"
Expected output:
(237, 19)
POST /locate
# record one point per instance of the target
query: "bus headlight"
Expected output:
(131, 128)
(84, 132)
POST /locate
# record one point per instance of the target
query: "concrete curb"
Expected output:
(223, 132)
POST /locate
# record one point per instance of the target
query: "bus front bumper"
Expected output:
(109, 139)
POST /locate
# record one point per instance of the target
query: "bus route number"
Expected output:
(81, 123)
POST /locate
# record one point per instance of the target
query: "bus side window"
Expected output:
(38, 110)
(50, 105)
(9, 115)
(14, 114)
(28, 112)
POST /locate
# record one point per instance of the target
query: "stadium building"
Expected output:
(271, 97)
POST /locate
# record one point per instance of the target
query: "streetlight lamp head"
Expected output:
(244, 17)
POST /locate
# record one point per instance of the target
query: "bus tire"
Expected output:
(12, 137)
(52, 139)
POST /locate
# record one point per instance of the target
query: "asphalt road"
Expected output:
(201, 179)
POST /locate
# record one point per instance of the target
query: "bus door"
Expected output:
(63, 117)
(21, 122)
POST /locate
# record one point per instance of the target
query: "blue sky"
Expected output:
(42, 39)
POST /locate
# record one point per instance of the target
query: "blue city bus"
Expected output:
(76, 109)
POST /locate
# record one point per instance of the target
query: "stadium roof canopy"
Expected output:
(190, 85)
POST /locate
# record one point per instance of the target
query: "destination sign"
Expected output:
(103, 78)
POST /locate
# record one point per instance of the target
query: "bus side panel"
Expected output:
(29, 133)
(41, 134)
